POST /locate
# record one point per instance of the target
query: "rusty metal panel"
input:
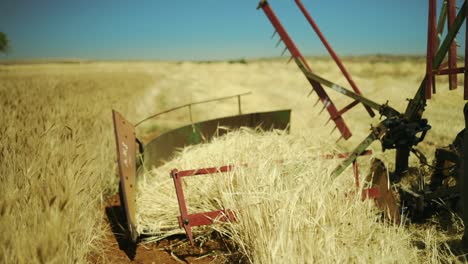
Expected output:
(163, 147)
(126, 153)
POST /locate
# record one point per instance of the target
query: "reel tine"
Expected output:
(318, 100)
(341, 137)
(290, 59)
(328, 121)
(323, 108)
(333, 130)
(310, 93)
(274, 33)
(284, 51)
(277, 43)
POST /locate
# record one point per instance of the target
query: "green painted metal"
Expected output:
(351, 158)
(441, 22)
(382, 108)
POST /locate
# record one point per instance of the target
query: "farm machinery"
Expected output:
(406, 191)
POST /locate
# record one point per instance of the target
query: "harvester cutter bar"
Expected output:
(296, 54)
(186, 220)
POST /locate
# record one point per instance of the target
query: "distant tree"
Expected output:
(3, 43)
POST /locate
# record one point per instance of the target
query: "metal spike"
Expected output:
(457, 45)
(274, 33)
(277, 43)
(339, 139)
(328, 121)
(311, 92)
(318, 100)
(284, 51)
(333, 130)
(323, 108)
(290, 59)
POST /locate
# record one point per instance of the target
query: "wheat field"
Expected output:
(58, 156)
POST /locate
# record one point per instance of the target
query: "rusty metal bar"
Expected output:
(194, 103)
(186, 220)
(431, 39)
(356, 173)
(185, 223)
(204, 171)
(453, 71)
(345, 155)
(452, 54)
(125, 141)
(190, 113)
(332, 53)
(348, 107)
(444, 47)
(344, 130)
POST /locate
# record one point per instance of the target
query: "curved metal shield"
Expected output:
(163, 147)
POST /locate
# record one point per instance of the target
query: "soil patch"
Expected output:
(177, 249)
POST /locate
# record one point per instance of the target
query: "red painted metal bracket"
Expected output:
(296, 54)
(186, 220)
(372, 193)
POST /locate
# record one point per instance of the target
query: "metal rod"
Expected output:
(194, 103)
(331, 108)
(439, 57)
(441, 23)
(431, 39)
(356, 173)
(344, 91)
(332, 53)
(190, 113)
(239, 104)
(452, 58)
(451, 71)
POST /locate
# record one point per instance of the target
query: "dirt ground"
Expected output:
(177, 249)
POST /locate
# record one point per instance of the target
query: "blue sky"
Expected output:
(205, 29)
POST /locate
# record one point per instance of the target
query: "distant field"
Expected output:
(57, 148)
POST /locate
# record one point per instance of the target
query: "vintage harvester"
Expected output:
(402, 192)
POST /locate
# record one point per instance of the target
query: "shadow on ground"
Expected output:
(117, 220)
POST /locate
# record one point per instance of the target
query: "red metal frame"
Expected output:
(372, 193)
(431, 49)
(295, 53)
(452, 53)
(335, 57)
(186, 220)
(450, 66)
